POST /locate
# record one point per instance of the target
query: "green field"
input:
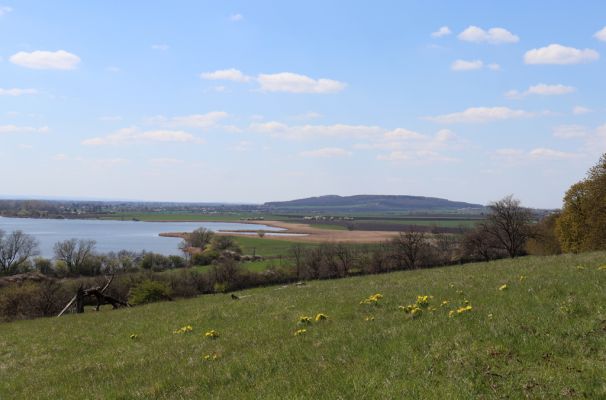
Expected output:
(266, 247)
(542, 337)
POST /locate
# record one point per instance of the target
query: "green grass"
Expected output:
(546, 338)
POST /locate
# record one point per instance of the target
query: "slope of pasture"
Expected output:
(542, 336)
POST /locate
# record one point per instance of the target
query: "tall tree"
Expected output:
(580, 226)
(509, 225)
(74, 253)
(15, 250)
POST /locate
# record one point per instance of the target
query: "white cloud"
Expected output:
(463, 65)
(401, 133)
(296, 83)
(480, 115)
(5, 10)
(550, 154)
(580, 110)
(570, 131)
(494, 67)
(492, 35)
(160, 46)
(326, 152)
(541, 89)
(17, 92)
(134, 135)
(6, 129)
(601, 34)
(416, 156)
(201, 121)
(443, 31)
(61, 60)
(517, 156)
(281, 130)
(166, 161)
(236, 17)
(558, 54)
(230, 74)
(280, 82)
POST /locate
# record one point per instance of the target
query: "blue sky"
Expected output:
(247, 101)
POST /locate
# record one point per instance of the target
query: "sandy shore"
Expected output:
(313, 235)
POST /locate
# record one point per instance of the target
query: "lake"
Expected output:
(116, 235)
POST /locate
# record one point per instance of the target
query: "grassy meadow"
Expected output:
(543, 335)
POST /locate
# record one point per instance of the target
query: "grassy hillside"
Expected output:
(543, 336)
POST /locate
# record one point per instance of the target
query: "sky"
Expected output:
(242, 101)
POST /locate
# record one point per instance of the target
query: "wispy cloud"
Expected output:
(601, 34)
(561, 55)
(491, 36)
(287, 82)
(326, 152)
(481, 115)
(59, 60)
(5, 10)
(17, 92)
(160, 46)
(443, 31)
(541, 89)
(236, 17)
(135, 135)
(8, 129)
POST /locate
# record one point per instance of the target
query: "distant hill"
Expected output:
(372, 203)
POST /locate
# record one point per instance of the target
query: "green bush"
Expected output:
(149, 292)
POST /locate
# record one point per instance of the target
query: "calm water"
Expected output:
(115, 235)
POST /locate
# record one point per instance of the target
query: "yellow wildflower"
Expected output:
(134, 336)
(503, 287)
(490, 316)
(580, 267)
(300, 332)
(212, 334)
(444, 303)
(374, 299)
(451, 313)
(321, 317)
(184, 329)
(522, 278)
(369, 318)
(304, 320)
(211, 357)
(423, 301)
(602, 268)
(465, 309)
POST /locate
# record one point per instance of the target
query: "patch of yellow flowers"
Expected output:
(183, 329)
(321, 317)
(212, 334)
(374, 299)
(304, 320)
(211, 357)
(300, 332)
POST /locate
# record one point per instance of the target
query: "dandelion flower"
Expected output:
(212, 334)
(465, 309)
(184, 329)
(451, 313)
(423, 301)
(444, 303)
(321, 317)
(304, 320)
(300, 332)
(503, 287)
(211, 357)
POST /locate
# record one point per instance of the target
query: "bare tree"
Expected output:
(509, 225)
(199, 238)
(74, 253)
(409, 248)
(479, 244)
(297, 251)
(15, 250)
